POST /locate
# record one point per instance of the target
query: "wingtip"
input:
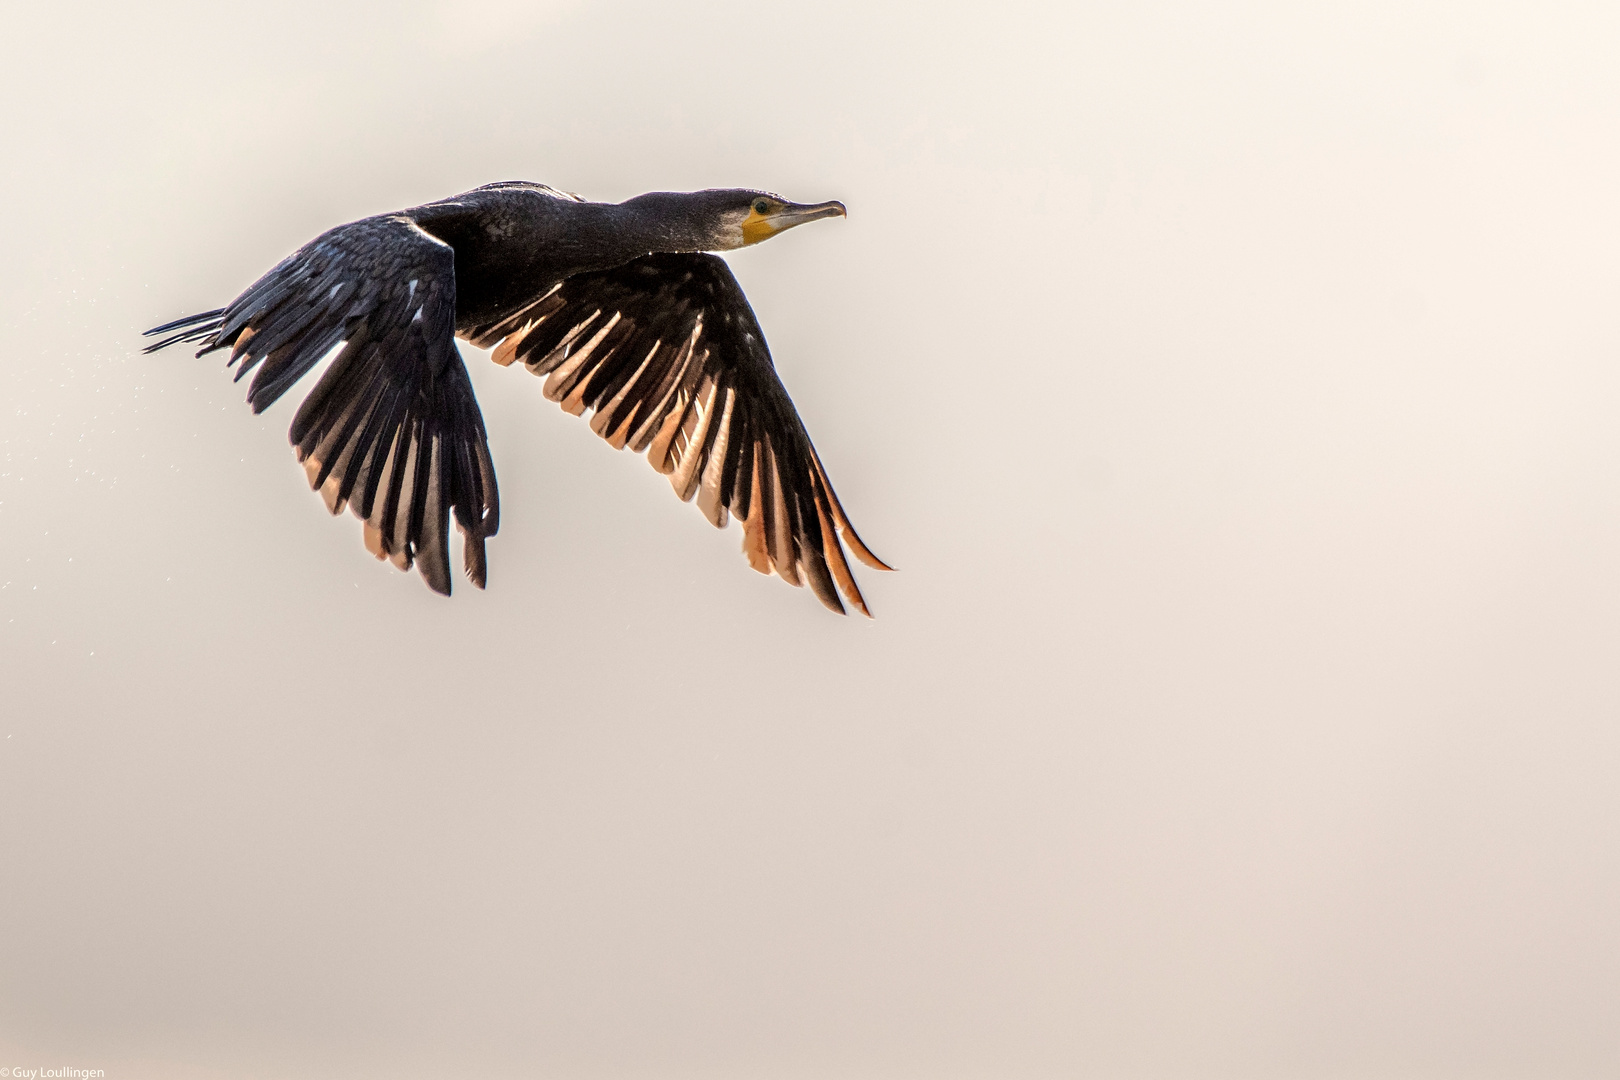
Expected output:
(474, 562)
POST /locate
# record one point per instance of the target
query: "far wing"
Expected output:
(667, 353)
(392, 429)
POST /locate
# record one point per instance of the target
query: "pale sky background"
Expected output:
(1235, 386)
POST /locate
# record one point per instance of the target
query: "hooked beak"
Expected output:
(797, 213)
(763, 226)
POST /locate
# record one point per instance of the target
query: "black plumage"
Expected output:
(617, 305)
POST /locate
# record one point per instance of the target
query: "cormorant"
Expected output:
(616, 304)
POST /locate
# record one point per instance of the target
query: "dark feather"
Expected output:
(198, 327)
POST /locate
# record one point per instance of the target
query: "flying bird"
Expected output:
(618, 305)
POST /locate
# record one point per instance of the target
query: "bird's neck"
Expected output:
(664, 221)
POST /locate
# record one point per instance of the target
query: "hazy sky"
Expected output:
(1235, 386)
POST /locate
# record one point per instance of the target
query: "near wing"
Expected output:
(392, 429)
(668, 354)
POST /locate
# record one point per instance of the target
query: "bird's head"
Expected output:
(752, 216)
(725, 219)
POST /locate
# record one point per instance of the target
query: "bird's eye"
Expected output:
(761, 206)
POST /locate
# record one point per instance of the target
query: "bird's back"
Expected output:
(515, 240)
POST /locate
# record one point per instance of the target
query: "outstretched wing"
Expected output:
(668, 354)
(392, 429)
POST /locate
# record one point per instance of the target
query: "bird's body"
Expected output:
(514, 241)
(614, 302)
